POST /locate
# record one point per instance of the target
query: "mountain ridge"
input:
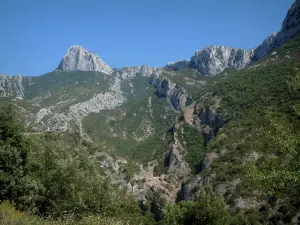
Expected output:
(211, 66)
(210, 60)
(164, 133)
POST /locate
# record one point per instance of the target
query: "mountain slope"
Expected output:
(163, 134)
(252, 159)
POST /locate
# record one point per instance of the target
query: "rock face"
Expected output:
(210, 122)
(290, 28)
(188, 190)
(78, 58)
(264, 48)
(291, 23)
(214, 59)
(130, 72)
(205, 119)
(174, 159)
(178, 65)
(177, 95)
(13, 86)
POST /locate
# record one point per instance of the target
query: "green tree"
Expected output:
(209, 209)
(279, 170)
(52, 176)
(13, 154)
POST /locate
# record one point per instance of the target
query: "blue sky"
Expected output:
(35, 34)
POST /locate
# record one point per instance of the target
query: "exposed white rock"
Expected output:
(145, 129)
(108, 100)
(42, 113)
(150, 106)
(108, 162)
(13, 86)
(182, 64)
(214, 59)
(265, 47)
(76, 112)
(130, 72)
(78, 58)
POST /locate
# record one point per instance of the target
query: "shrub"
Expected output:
(210, 209)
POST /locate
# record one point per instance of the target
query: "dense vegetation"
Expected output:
(259, 145)
(209, 209)
(44, 175)
(193, 142)
(55, 178)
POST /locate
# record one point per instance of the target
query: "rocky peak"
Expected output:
(214, 59)
(292, 19)
(78, 58)
(290, 28)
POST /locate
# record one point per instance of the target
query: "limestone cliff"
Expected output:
(78, 58)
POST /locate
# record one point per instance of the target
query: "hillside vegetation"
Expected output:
(257, 171)
(43, 175)
(145, 145)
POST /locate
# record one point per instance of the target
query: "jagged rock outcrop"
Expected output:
(290, 28)
(215, 59)
(291, 23)
(189, 189)
(78, 58)
(205, 119)
(210, 122)
(178, 65)
(13, 86)
(266, 47)
(178, 96)
(174, 159)
(130, 72)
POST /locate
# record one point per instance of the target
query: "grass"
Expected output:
(10, 216)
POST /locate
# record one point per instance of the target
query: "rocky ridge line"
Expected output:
(214, 59)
